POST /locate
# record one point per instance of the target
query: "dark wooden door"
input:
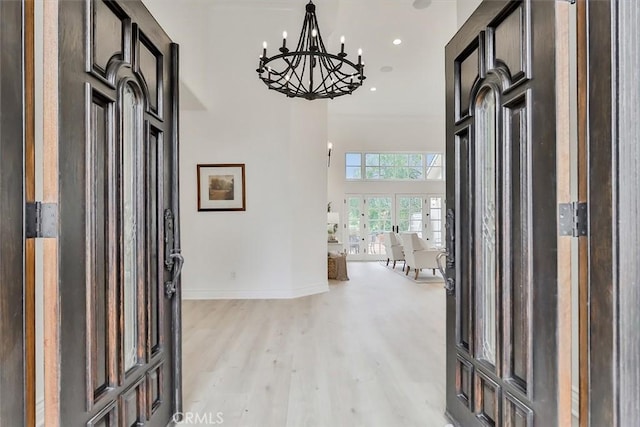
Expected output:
(12, 247)
(119, 321)
(502, 347)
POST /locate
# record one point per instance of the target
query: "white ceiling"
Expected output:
(415, 87)
(417, 79)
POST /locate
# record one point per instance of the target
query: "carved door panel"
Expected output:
(119, 335)
(502, 365)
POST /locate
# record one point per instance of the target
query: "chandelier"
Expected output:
(309, 71)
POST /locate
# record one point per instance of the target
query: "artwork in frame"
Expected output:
(221, 187)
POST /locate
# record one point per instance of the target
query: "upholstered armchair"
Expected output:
(393, 248)
(417, 254)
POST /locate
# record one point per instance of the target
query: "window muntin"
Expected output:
(394, 166)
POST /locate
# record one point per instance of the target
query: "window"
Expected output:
(354, 166)
(434, 166)
(394, 166)
(436, 219)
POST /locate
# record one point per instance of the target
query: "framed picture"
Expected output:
(221, 187)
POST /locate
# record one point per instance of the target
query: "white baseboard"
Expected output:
(40, 412)
(204, 294)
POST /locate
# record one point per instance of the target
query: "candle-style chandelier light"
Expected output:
(309, 71)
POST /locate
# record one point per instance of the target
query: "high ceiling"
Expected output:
(414, 86)
(417, 78)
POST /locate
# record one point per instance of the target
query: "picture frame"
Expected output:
(221, 187)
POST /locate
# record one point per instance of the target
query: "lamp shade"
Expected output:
(333, 218)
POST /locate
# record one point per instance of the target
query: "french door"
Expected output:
(502, 227)
(368, 216)
(113, 297)
(422, 214)
(371, 215)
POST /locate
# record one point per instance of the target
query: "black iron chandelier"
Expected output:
(309, 71)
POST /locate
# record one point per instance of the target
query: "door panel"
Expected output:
(501, 169)
(13, 379)
(409, 215)
(379, 211)
(369, 216)
(117, 167)
(355, 226)
(435, 224)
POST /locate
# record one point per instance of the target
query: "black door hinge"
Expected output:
(40, 220)
(573, 219)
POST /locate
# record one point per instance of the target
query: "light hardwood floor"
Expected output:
(371, 352)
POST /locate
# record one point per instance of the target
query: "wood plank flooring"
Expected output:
(371, 352)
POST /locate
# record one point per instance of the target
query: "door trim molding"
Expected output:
(563, 195)
(51, 306)
(176, 302)
(583, 243)
(29, 196)
(602, 408)
(612, 127)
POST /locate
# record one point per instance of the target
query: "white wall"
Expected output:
(282, 142)
(465, 8)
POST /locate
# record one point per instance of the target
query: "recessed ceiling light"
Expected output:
(386, 69)
(397, 42)
(421, 4)
(373, 89)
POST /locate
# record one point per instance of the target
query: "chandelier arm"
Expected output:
(325, 60)
(331, 67)
(301, 45)
(320, 46)
(337, 69)
(305, 34)
(285, 58)
(329, 76)
(298, 76)
(322, 84)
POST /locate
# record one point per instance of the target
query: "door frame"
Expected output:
(51, 303)
(364, 253)
(17, 292)
(30, 197)
(394, 196)
(609, 120)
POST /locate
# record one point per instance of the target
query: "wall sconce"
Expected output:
(329, 148)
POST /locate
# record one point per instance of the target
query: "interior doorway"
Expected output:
(369, 216)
